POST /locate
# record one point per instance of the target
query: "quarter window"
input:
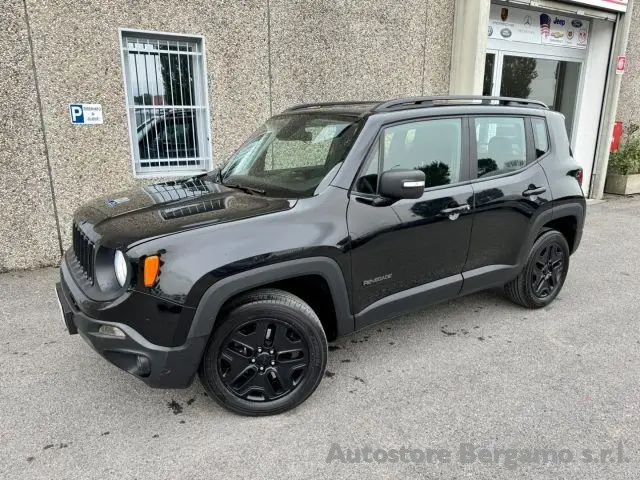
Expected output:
(368, 180)
(501, 145)
(167, 103)
(540, 137)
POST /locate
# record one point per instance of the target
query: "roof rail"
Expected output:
(328, 104)
(457, 99)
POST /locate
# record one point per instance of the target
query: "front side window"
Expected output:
(501, 145)
(167, 102)
(291, 154)
(432, 146)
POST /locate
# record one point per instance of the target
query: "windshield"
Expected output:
(290, 154)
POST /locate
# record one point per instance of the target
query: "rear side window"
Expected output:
(501, 145)
(540, 137)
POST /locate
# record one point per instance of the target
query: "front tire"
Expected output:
(543, 276)
(267, 355)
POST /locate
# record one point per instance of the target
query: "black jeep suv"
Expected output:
(330, 218)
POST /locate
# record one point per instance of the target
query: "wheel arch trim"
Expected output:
(576, 210)
(536, 225)
(558, 211)
(216, 295)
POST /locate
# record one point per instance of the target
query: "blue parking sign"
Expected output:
(77, 114)
(85, 113)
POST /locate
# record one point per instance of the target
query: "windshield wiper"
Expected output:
(218, 178)
(244, 188)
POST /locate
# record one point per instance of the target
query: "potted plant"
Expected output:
(623, 175)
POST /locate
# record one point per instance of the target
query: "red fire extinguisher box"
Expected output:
(617, 136)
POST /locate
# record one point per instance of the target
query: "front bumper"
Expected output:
(157, 366)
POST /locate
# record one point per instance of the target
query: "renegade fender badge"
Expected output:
(381, 278)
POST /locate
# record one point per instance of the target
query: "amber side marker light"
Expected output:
(151, 270)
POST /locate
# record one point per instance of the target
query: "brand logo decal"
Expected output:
(505, 32)
(582, 36)
(576, 23)
(381, 278)
(559, 21)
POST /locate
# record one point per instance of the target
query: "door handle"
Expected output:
(533, 191)
(456, 210)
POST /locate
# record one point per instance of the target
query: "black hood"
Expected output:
(146, 212)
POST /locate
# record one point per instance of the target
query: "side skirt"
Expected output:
(409, 301)
(419, 297)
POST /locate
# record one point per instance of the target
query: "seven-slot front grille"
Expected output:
(84, 251)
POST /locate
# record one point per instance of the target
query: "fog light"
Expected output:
(142, 368)
(111, 331)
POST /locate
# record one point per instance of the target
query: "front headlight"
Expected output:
(120, 266)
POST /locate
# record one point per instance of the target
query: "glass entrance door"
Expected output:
(489, 73)
(553, 81)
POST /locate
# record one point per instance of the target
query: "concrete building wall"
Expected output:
(28, 234)
(78, 60)
(357, 50)
(262, 55)
(629, 102)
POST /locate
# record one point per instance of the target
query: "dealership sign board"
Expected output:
(617, 5)
(518, 25)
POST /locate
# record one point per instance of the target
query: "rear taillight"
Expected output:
(579, 176)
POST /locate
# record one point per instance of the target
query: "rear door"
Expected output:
(411, 252)
(510, 191)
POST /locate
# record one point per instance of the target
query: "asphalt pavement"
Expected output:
(474, 388)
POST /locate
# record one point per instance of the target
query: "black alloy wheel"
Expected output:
(547, 271)
(263, 359)
(266, 355)
(543, 276)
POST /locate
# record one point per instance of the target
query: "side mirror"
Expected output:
(398, 184)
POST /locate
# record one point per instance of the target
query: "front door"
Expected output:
(411, 252)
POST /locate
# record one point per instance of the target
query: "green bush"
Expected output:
(626, 161)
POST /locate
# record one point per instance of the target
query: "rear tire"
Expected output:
(543, 276)
(267, 356)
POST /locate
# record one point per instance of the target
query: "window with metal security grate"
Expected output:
(166, 92)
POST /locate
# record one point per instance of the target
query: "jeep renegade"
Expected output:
(330, 218)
